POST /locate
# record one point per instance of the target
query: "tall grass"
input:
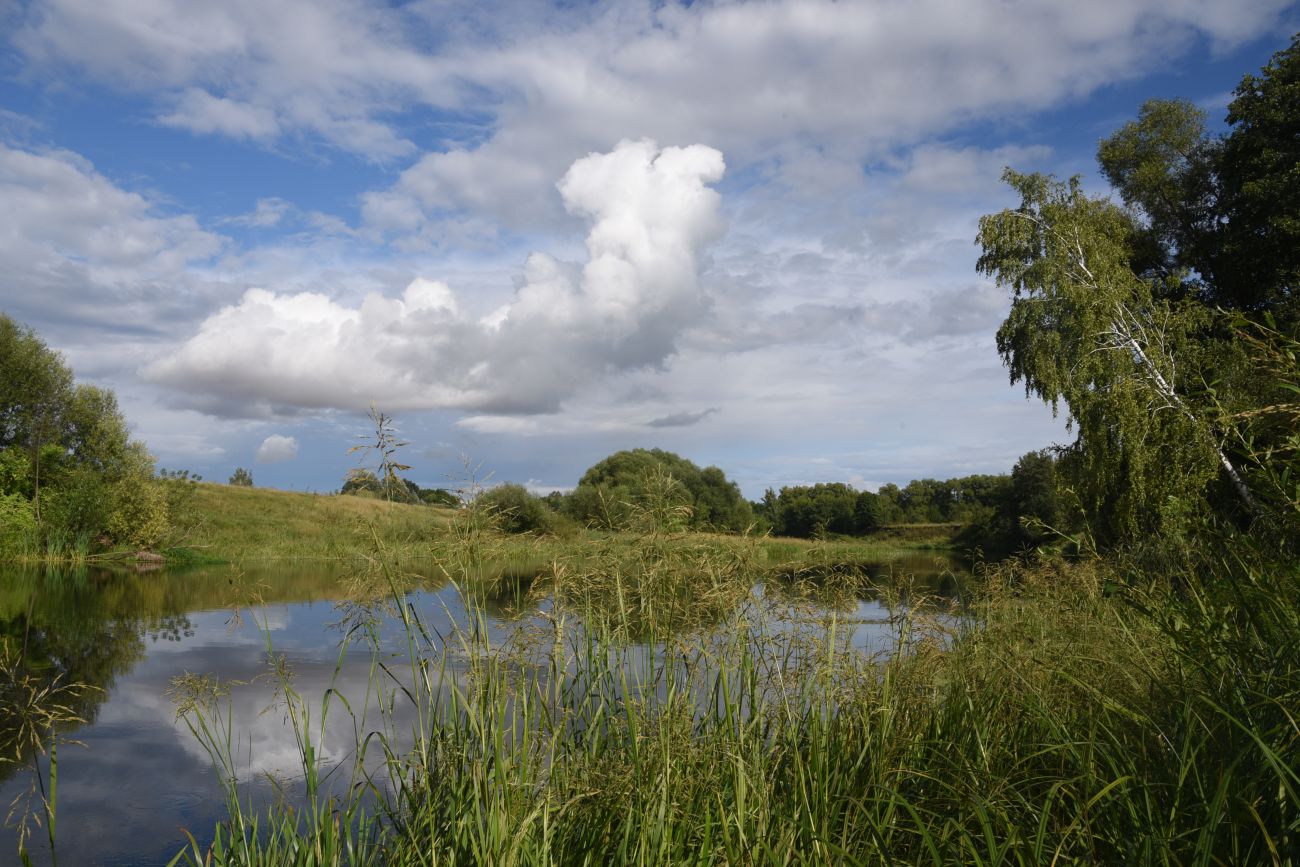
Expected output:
(52, 545)
(1067, 718)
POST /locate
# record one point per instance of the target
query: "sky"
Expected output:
(536, 234)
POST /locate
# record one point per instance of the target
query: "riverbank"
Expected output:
(236, 524)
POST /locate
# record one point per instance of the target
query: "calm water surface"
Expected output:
(139, 779)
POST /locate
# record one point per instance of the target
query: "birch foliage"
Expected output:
(1088, 336)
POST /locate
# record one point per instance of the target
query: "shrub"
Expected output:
(515, 509)
(75, 508)
(17, 521)
(138, 514)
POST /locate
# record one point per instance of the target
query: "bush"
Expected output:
(17, 521)
(516, 510)
(138, 517)
(438, 497)
(75, 509)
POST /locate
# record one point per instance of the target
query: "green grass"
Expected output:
(1065, 721)
(239, 523)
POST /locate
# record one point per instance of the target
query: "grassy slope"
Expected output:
(239, 523)
(253, 523)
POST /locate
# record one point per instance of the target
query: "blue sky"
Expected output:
(742, 231)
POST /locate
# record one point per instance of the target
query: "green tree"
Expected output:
(35, 391)
(611, 491)
(807, 511)
(1164, 164)
(1086, 331)
(867, 512)
(241, 478)
(67, 452)
(887, 499)
(1217, 216)
(1259, 260)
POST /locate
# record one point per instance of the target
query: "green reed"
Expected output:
(647, 718)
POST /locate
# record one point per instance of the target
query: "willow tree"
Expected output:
(1086, 334)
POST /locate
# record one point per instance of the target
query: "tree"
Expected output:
(1164, 167)
(1259, 261)
(1219, 216)
(611, 490)
(34, 395)
(1086, 331)
(806, 511)
(67, 452)
(887, 507)
(241, 478)
(1032, 502)
(867, 512)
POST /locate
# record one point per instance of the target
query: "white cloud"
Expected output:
(764, 79)
(276, 449)
(201, 112)
(247, 68)
(57, 205)
(652, 215)
(269, 212)
(76, 247)
(526, 91)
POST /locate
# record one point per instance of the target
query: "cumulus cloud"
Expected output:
(652, 215)
(277, 449)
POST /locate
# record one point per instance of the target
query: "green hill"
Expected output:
(237, 523)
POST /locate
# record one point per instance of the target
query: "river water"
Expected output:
(132, 778)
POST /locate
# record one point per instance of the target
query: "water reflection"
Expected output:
(142, 777)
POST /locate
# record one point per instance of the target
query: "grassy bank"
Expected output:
(239, 523)
(1076, 716)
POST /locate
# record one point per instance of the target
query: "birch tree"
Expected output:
(1090, 337)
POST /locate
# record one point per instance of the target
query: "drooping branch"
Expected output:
(1144, 342)
(1128, 333)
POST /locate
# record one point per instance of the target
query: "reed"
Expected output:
(1067, 716)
